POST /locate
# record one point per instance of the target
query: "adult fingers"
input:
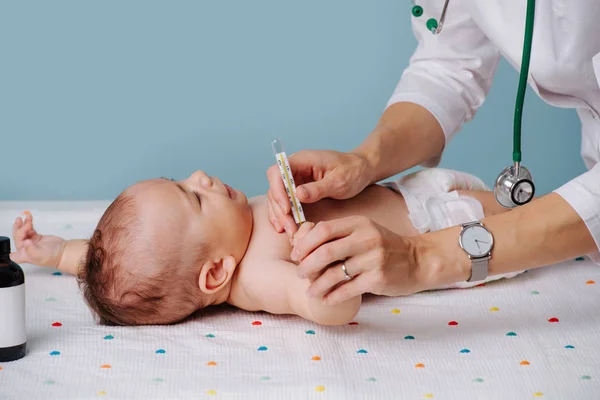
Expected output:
(277, 188)
(285, 221)
(322, 233)
(329, 253)
(272, 217)
(355, 287)
(332, 276)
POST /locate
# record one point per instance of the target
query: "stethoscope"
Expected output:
(514, 186)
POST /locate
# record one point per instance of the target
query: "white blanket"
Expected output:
(491, 342)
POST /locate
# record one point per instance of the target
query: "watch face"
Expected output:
(476, 241)
(523, 191)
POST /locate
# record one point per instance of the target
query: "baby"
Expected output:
(165, 249)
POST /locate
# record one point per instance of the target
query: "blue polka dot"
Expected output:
(55, 353)
(409, 337)
(109, 337)
(57, 273)
(310, 332)
(160, 351)
(569, 346)
(263, 348)
(465, 351)
(511, 334)
(362, 351)
(210, 335)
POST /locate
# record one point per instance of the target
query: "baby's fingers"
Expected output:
(18, 233)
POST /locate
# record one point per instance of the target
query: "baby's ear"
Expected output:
(216, 274)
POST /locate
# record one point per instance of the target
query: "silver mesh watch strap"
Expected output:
(479, 269)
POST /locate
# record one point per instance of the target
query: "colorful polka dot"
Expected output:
(419, 365)
(553, 319)
(569, 346)
(371, 379)
(50, 299)
(263, 348)
(524, 362)
(538, 394)
(105, 366)
(409, 337)
(586, 377)
(452, 323)
(160, 351)
(511, 334)
(353, 323)
(49, 382)
(428, 396)
(102, 393)
(256, 323)
(590, 282)
(0, 368)
(534, 292)
(57, 273)
(320, 388)
(265, 378)
(395, 311)
(316, 358)
(56, 324)
(478, 380)
(55, 353)
(362, 351)
(210, 336)
(157, 380)
(494, 309)
(211, 363)
(109, 337)
(465, 351)
(310, 332)
(211, 392)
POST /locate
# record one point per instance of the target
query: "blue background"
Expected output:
(95, 95)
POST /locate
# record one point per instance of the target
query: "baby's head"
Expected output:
(164, 249)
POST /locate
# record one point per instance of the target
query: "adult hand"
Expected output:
(318, 174)
(379, 261)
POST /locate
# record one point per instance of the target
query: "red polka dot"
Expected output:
(553, 319)
(353, 323)
(256, 323)
(57, 324)
(452, 323)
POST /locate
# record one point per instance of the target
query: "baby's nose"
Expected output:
(200, 177)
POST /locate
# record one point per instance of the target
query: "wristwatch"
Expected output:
(477, 241)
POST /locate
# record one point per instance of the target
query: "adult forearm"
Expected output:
(407, 134)
(544, 232)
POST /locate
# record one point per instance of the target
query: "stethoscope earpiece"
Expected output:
(514, 186)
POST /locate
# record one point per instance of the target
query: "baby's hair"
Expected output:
(119, 297)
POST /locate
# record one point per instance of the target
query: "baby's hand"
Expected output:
(303, 231)
(33, 248)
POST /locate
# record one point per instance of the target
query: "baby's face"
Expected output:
(182, 215)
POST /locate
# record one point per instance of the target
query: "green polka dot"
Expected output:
(478, 380)
(586, 377)
(265, 378)
(50, 298)
(157, 380)
(49, 382)
(534, 292)
(371, 379)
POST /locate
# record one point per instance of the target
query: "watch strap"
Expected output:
(479, 269)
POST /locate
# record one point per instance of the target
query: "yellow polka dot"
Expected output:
(105, 366)
(395, 311)
(211, 363)
(102, 393)
(320, 388)
(316, 358)
(494, 309)
(419, 365)
(538, 394)
(428, 396)
(211, 392)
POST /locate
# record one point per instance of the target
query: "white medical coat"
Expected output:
(450, 74)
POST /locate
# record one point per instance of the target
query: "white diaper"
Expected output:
(433, 203)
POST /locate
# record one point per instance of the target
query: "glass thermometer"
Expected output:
(288, 180)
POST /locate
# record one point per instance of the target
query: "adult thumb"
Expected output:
(314, 191)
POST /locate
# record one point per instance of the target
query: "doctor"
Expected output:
(448, 78)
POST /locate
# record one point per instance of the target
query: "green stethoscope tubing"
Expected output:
(527, 44)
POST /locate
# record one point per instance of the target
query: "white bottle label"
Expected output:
(12, 316)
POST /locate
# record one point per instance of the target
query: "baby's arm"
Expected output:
(46, 250)
(314, 309)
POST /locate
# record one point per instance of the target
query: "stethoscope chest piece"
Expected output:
(514, 187)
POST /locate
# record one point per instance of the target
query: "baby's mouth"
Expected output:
(232, 194)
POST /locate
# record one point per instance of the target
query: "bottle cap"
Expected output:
(4, 246)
